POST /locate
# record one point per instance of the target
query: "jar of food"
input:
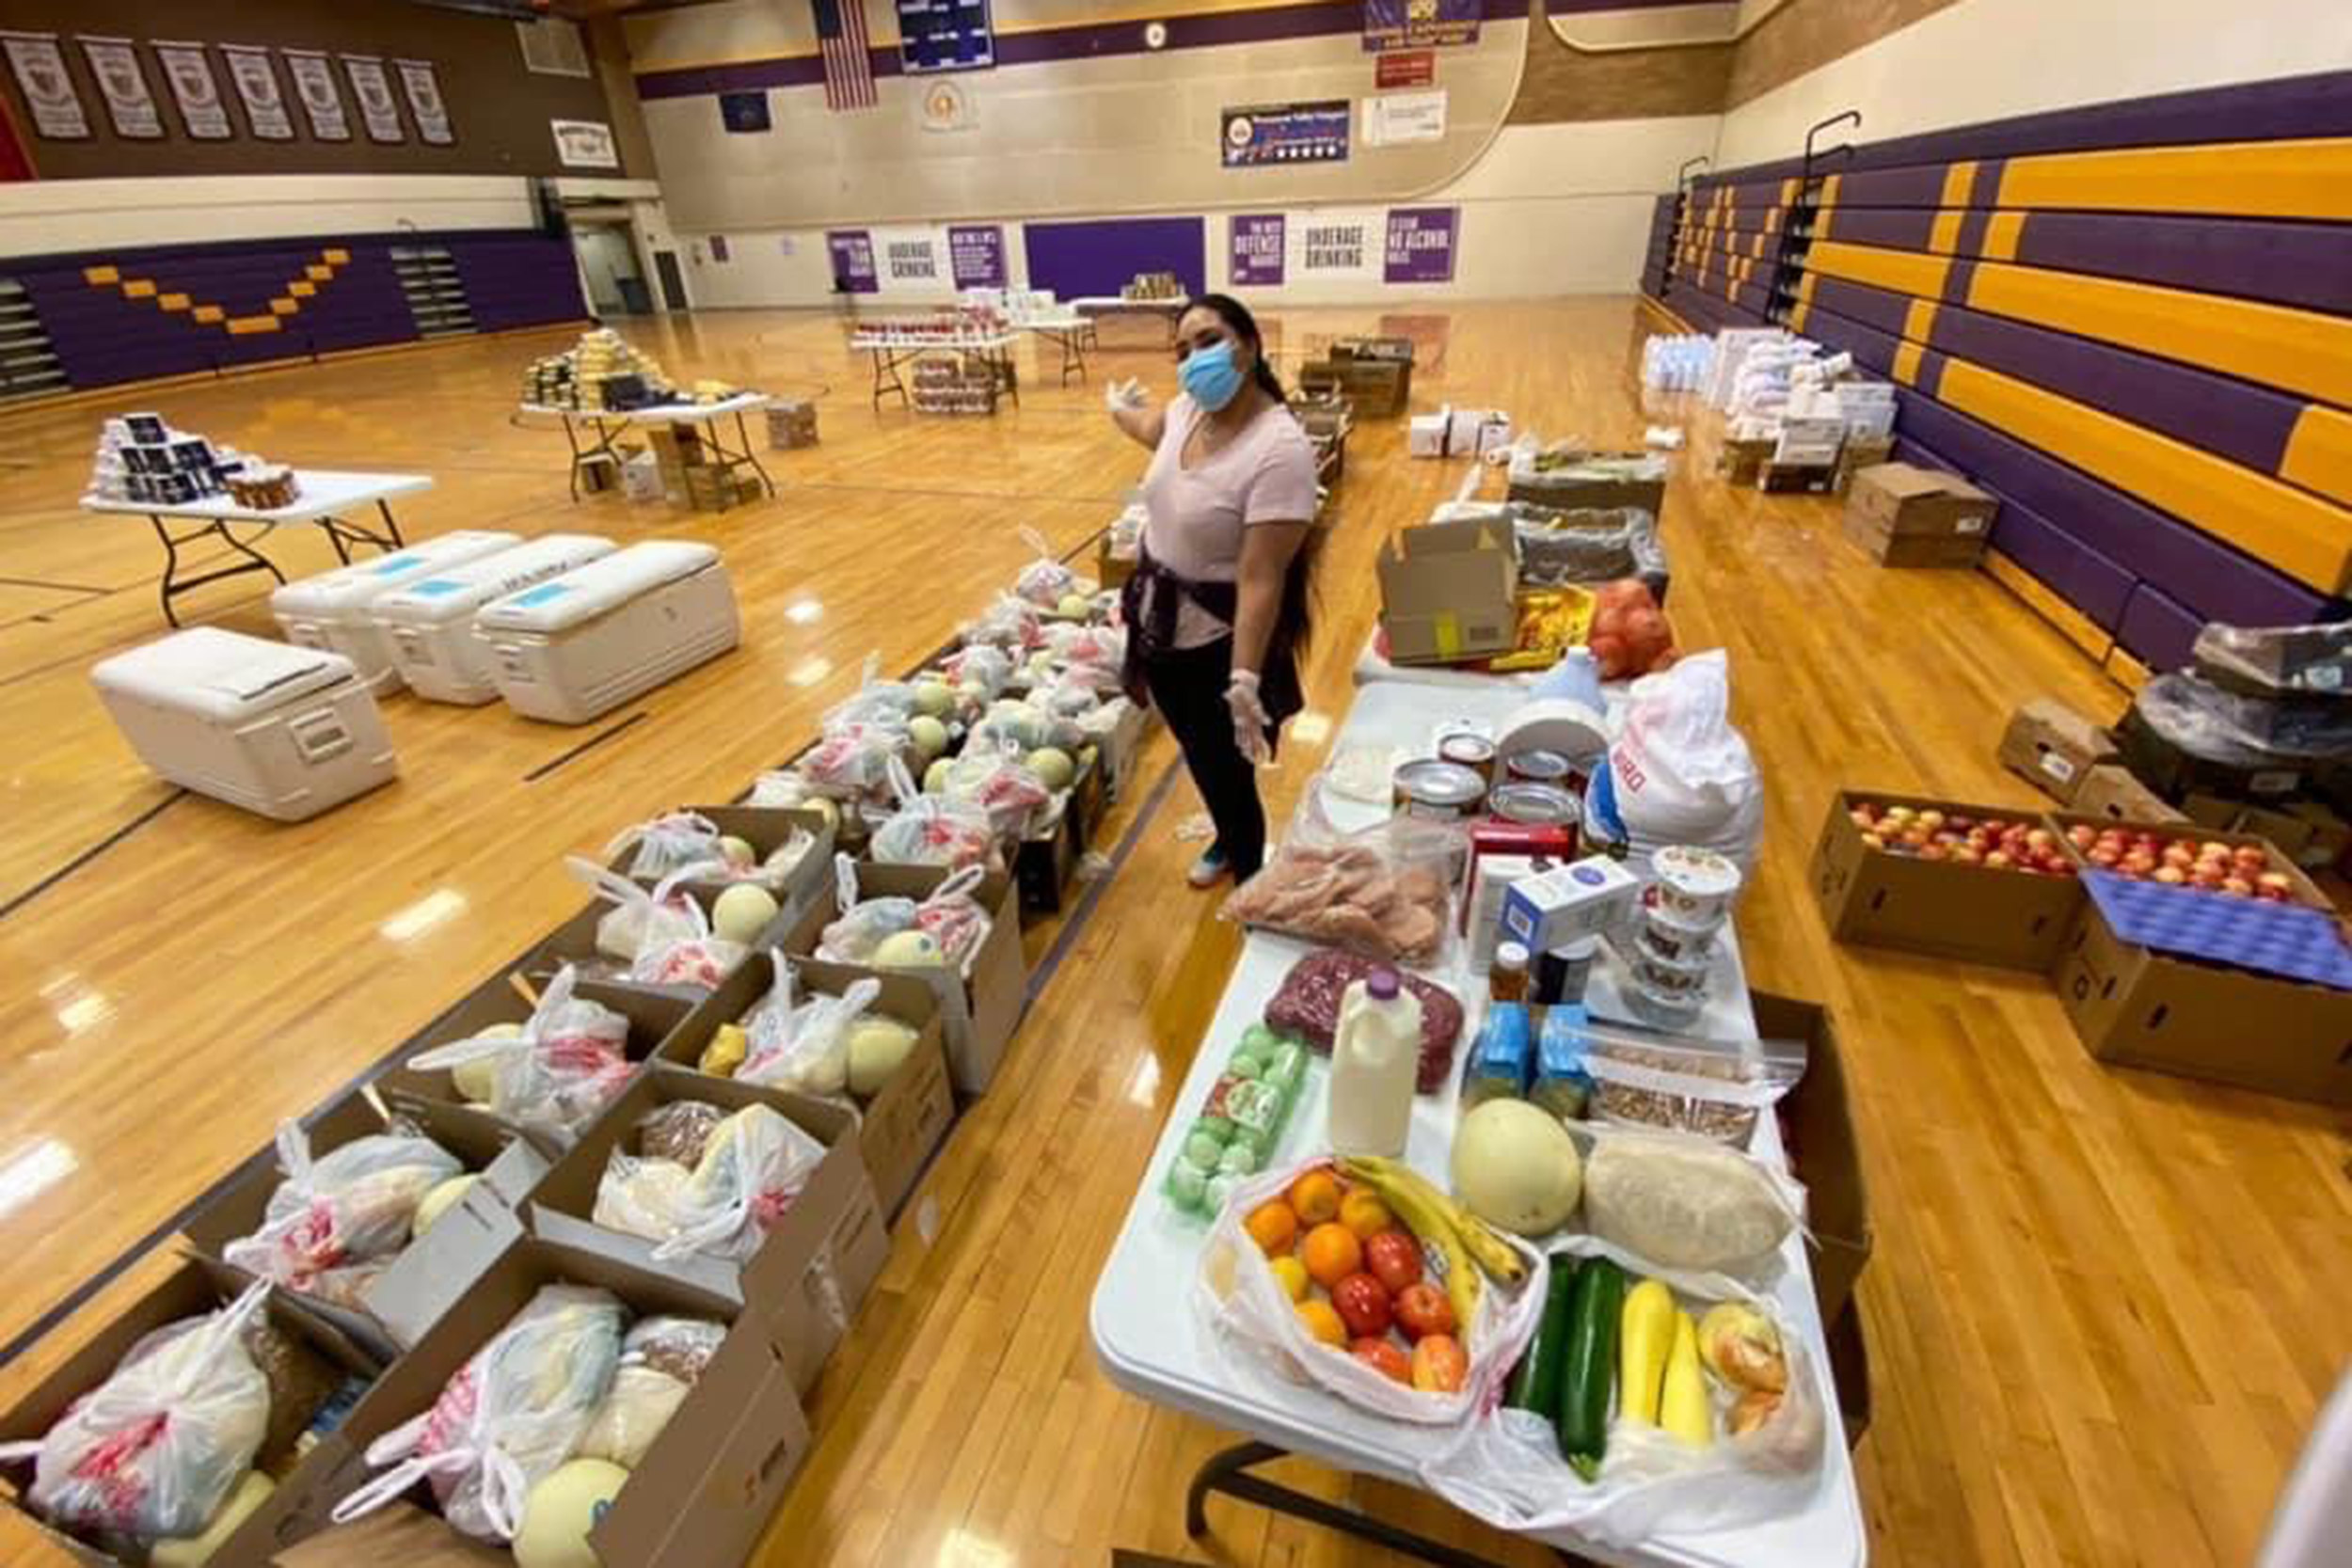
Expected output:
(1439, 791)
(1506, 979)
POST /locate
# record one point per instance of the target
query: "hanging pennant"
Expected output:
(257, 89)
(321, 99)
(373, 90)
(426, 103)
(130, 106)
(49, 91)
(202, 114)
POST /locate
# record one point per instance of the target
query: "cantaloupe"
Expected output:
(1515, 1167)
(877, 1047)
(742, 911)
(562, 1509)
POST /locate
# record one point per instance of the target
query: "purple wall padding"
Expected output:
(2077, 574)
(519, 282)
(1075, 260)
(2157, 630)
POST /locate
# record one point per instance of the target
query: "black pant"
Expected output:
(1189, 688)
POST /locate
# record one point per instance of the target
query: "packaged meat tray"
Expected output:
(1307, 1006)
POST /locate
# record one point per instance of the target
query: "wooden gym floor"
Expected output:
(2104, 1304)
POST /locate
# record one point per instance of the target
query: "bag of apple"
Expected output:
(1359, 1277)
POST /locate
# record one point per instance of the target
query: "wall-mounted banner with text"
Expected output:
(1254, 260)
(1421, 24)
(853, 254)
(975, 252)
(1265, 136)
(1421, 245)
(1334, 245)
(584, 143)
(1395, 118)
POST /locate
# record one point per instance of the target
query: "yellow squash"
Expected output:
(1682, 1407)
(1645, 1333)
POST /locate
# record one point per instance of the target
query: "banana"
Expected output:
(1490, 1250)
(1430, 1222)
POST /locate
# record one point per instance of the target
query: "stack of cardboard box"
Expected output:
(1909, 516)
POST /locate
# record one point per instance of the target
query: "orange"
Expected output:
(1323, 1321)
(1316, 1196)
(1272, 1226)
(1331, 1253)
(1293, 1273)
(1365, 1215)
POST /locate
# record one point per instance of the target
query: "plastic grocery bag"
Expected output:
(1010, 623)
(1588, 546)
(754, 1166)
(356, 1204)
(1678, 772)
(1241, 1298)
(805, 1047)
(1506, 1468)
(1386, 892)
(674, 946)
(982, 665)
(930, 830)
(992, 778)
(156, 1450)
(876, 702)
(852, 760)
(863, 923)
(1045, 581)
(564, 1066)
(661, 1359)
(506, 1420)
(667, 841)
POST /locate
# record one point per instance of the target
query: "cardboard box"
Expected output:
(2330, 835)
(1860, 452)
(2110, 792)
(979, 1009)
(1817, 1125)
(2133, 1005)
(299, 1504)
(699, 1497)
(1449, 592)
(2052, 746)
(1603, 490)
(1870, 898)
(811, 1273)
(1814, 478)
(1910, 516)
(428, 1275)
(1850, 1364)
(1741, 461)
(1122, 750)
(766, 828)
(1045, 862)
(2306, 892)
(2176, 773)
(908, 1118)
(1425, 434)
(651, 1017)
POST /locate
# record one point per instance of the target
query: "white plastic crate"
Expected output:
(332, 610)
(587, 642)
(429, 623)
(283, 731)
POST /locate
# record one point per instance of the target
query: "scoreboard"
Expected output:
(944, 35)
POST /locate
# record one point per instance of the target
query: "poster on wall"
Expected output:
(1254, 250)
(1334, 246)
(49, 91)
(1421, 24)
(427, 106)
(322, 100)
(944, 35)
(1405, 68)
(975, 255)
(130, 106)
(584, 143)
(256, 90)
(373, 90)
(912, 261)
(1264, 135)
(194, 88)
(1421, 245)
(853, 254)
(744, 114)
(1393, 120)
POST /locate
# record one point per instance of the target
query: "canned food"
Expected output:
(1544, 768)
(1441, 791)
(1535, 804)
(1473, 751)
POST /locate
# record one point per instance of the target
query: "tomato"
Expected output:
(1363, 1304)
(1383, 1356)
(1394, 1260)
(1439, 1365)
(1422, 1310)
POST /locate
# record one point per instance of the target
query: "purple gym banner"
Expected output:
(976, 254)
(852, 252)
(1421, 245)
(1421, 24)
(1255, 260)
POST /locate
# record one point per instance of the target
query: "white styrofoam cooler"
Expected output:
(331, 611)
(429, 623)
(286, 732)
(581, 646)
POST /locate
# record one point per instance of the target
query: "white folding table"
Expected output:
(325, 498)
(894, 347)
(1068, 331)
(609, 424)
(1149, 1334)
(1169, 312)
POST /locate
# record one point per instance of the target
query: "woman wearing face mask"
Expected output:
(1216, 611)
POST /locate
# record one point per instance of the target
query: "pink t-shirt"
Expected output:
(1266, 474)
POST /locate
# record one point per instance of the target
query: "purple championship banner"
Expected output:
(1421, 245)
(852, 253)
(1266, 135)
(1420, 23)
(1254, 260)
(976, 254)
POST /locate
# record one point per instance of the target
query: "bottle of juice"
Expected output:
(1376, 1057)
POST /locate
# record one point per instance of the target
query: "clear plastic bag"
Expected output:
(1586, 546)
(876, 703)
(992, 778)
(1686, 1203)
(568, 1063)
(1010, 623)
(1242, 1299)
(674, 944)
(510, 1417)
(1386, 892)
(665, 843)
(751, 1172)
(2219, 725)
(2264, 662)
(1506, 1467)
(953, 918)
(1715, 1088)
(1045, 581)
(356, 1204)
(930, 830)
(156, 1450)
(637, 919)
(982, 665)
(863, 923)
(803, 1046)
(679, 1130)
(852, 762)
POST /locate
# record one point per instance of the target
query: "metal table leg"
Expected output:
(174, 585)
(886, 363)
(744, 436)
(602, 447)
(1227, 1471)
(343, 534)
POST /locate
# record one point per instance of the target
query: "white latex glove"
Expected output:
(1125, 397)
(1251, 721)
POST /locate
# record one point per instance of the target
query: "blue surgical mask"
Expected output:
(1209, 376)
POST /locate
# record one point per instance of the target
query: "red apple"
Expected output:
(2179, 855)
(1915, 836)
(2275, 894)
(1997, 861)
(1931, 818)
(1933, 852)
(2140, 862)
(2249, 857)
(1968, 854)
(1363, 1303)
(2274, 879)
(2080, 836)
(2171, 875)
(2214, 848)
(2237, 885)
(2040, 838)
(2106, 856)
(1861, 817)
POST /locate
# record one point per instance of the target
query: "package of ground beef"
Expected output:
(1307, 1006)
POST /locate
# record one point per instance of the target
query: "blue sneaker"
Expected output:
(1210, 869)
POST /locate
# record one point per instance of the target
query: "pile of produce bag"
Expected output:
(930, 830)
(331, 1227)
(950, 916)
(555, 1072)
(663, 933)
(803, 1045)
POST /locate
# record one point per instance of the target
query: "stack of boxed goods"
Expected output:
(600, 373)
(1910, 516)
(1326, 419)
(791, 424)
(945, 385)
(1374, 375)
(1153, 286)
(1453, 432)
(141, 458)
(693, 470)
(1568, 478)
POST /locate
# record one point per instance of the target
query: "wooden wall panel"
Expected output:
(1562, 83)
(1802, 35)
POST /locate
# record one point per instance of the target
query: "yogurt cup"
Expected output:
(1657, 1007)
(1694, 886)
(1679, 978)
(1675, 940)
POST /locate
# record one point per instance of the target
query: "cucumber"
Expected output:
(1536, 1382)
(1588, 1373)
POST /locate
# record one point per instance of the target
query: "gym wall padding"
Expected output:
(2137, 335)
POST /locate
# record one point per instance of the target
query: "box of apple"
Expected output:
(2238, 865)
(1993, 841)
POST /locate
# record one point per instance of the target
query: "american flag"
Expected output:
(841, 38)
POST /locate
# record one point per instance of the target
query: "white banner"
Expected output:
(49, 90)
(321, 99)
(256, 88)
(1337, 246)
(195, 90)
(130, 105)
(426, 105)
(913, 262)
(1405, 117)
(373, 90)
(584, 143)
